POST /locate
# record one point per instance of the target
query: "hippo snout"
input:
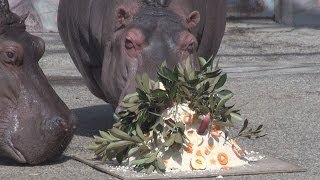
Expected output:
(62, 123)
(37, 144)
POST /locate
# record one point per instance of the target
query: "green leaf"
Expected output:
(155, 114)
(212, 102)
(208, 64)
(99, 140)
(152, 158)
(146, 82)
(202, 62)
(259, 128)
(167, 74)
(158, 93)
(222, 80)
(143, 96)
(138, 162)
(217, 65)
(93, 147)
(100, 149)
(160, 164)
(213, 74)
(170, 141)
(103, 134)
(139, 132)
(221, 123)
(133, 108)
(129, 97)
(178, 138)
(119, 144)
(235, 117)
(224, 95)
(133, 151)
(245, 125)
(188, 66)
(150, 169)
(120, 134)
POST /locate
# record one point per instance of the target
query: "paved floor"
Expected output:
(274, 72)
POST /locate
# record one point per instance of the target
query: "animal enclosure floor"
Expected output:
(274, 72)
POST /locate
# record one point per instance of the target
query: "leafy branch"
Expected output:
(141, 131)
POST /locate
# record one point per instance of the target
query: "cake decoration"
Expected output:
(182, 122)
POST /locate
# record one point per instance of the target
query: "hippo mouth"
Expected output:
(11, 152)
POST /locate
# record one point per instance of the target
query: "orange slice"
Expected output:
(223, 158)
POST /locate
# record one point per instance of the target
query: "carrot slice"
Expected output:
(211, 146)
(223, 158)
(207, 151)
(198, 153)
(189, 148)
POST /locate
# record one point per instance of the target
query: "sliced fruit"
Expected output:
(211, 146)
(223, 158)
(207, 151)
(195, 138)
(215, 130)
(189, 119)
(189, 148)
(198, 153)
(236, 149)
(198, 163)
(190, 132)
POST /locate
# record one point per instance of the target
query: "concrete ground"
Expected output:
(274, 72)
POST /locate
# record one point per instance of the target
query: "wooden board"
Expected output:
(267, 165)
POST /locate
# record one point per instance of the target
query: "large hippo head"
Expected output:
(148, 32)
(35, 125)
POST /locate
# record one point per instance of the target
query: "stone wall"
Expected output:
(250, 8)
(298, 12)
(42, 14)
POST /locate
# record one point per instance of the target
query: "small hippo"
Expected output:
(35, 125)
(110, 41)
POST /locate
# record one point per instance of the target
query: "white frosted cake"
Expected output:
(208, 150)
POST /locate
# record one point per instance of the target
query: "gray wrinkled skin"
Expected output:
(111, 41)
(35, 125)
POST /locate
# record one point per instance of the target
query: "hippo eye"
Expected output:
(190, 47)
(129, 44)
(10, 55)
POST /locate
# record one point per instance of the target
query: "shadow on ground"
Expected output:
(8, 162)
(93, 118)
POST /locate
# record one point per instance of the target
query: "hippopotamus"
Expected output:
(35, 125)
(112, 41)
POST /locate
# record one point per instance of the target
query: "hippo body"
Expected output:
(35, 125)
(111, 41)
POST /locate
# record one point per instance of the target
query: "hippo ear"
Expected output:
(122, 17)
(193, 19)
